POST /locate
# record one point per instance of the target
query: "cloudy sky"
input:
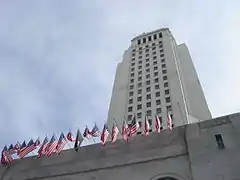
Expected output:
(58, 58)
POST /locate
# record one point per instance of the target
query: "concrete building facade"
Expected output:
(157, 76)
(206, 150)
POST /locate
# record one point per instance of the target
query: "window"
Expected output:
(169, 108)
(157, 94)
(154, 57)
(139, 115)
(168, 100)
(134, 50)
(161, 55)
(132, 80)
(156, 74)
(130, 101)
(147, 70)
(147, 65)
(147, 55)
(139, 41)
(130, 109)
(140, 57)
(164, 77)
(139, 67)
(155, 62)
(154, 53)
(219, 140)
(148, 96)
(139, 72)
(163, 65)
(146, 50)
(132, 74)
(130, 93)
(157, 86)
(144, 40)
(133, 64)
(149, 38)
(166, 84)
(129, 117)
(140, 78)
(139, 106)
(147, 76)
(139, 132)
(148, 104)
(158, 102)
(167, 91)
(132, 69)
(149, 113)
(155, 67)
(131, 86)
(158, 110)
(140, 48)
(139, 98)
(139, 62)
(162, 60)
(160, 35)
(133, 54)
(153, 44)
(148, 89)
(147, 60)
(155, 37)
(164, 71)
(156, 80)
(150, 122)
(154, 48)
(160, 42)
(139, 91)
(133, 59)
(139, 84)
(146, 46)
(160, 46)
(148, 82)
(161, 50)
(140, 52)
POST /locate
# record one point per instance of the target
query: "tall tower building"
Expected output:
(157, 76)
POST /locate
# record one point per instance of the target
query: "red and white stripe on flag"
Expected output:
(170, 123)
(27, 150)
(125, 130)
(146, 126)
(42, 151)
(158, 124)
(104, 134)
(134, 126)
(51, 148)
(115, 132)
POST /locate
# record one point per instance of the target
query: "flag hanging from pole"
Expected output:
(78, 141)
(51, 146)
(169, 121)
(104, 134)
(95, 131)
(37, 142)
(62, 141)
(70, 136)
(158, 124)
(17, 146)
(125, 131)
(29, 148)
(146, 126)
(115, 132)
(23, 146)
(11, 149)
(6, 158)
(87, 133)
(134, 126)
(42, 150)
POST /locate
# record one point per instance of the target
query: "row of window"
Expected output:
(148, 97)
(147, 77)
(149, 38)
(147, 52)
(146, 65)
(160, 43)
(164, 71)
(147, 55)
(148, 82)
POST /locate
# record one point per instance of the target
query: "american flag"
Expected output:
(78, 141)
(51, 146)
(61, 143)
(134, 126)
(125, 130)
(42, 149)
(70, 136)
(29, 148)
(22, 147)
(6, 158)
(115, 132)
(146, 126)
(87, 133)
(169, 121)
(37, 142)
(158, 124)
(17, 146)
(104, 134)
(11, 149)
(95, 131)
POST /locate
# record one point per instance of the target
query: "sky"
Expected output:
(58, 58)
